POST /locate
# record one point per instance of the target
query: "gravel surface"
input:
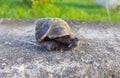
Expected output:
(98, 55)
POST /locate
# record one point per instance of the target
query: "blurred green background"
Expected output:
(68, 9)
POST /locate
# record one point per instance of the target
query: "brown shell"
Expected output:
(51, 28)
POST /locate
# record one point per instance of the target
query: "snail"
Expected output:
(55, 34)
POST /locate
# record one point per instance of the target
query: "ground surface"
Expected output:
(98, 55)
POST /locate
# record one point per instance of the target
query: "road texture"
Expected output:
(98, 55)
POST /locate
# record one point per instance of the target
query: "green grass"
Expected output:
(68, 9)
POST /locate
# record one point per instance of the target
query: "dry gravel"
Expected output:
(98, 55)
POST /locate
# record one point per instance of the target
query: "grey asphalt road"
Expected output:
(98, 55)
